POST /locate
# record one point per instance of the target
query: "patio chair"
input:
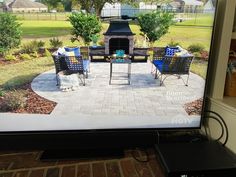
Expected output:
(75, 65)
(60, 64)
(167, 65)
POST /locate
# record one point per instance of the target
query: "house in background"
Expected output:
(209, 7)
(118, 9)
(23, 6)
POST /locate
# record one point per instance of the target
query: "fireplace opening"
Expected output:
(118, 44)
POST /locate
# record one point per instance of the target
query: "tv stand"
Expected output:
(78, 154)
(198, 159)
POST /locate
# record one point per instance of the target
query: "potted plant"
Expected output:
(94, 39)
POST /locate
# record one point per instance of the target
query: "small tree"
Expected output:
(85, 26)
(10, 32)
(155, 24)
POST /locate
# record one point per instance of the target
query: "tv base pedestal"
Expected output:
(78, 154)
(196, 159)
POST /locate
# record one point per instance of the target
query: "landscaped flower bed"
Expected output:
(24, 100)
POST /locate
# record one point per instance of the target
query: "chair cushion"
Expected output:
(86, 65)
(183, 53)
(76, 50)
(159, 65)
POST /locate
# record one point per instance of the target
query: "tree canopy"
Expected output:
(99, 4)
(155, 24)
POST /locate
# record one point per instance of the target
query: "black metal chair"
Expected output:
(60, 64)
(75, 65)
(171, 65)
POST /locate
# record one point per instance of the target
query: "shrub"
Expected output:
(101, 43)
(30, 47)
(197, 54)
(47, 53)
(84, 26)
(25, 56)
(155, 24)
(14, 100)
(35, 55)
(205, 55)
(41, 44)
(2, 93)
(10, 57)
(196, 48)
(173, 43)
(10, 35)
(55, 43)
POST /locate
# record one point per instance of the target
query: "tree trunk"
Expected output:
(98, 12)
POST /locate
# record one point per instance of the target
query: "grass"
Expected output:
(199, 20)
(18, 74)
(44, 30)
(186, 36)
(199, 67)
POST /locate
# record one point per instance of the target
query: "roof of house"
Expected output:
(26, 4)
(175, 4)
(193, 2)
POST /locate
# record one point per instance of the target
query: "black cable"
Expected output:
(139, 160)
(224, 125)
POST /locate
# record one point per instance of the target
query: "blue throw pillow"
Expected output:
(76, 50)
(171, 51)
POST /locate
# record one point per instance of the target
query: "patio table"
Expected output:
(125, 60)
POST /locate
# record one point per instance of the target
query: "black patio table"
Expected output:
(118, 60)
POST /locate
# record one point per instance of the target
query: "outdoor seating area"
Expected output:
(168, 61)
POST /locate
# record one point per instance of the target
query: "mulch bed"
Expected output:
(194, 108)
(34, 103)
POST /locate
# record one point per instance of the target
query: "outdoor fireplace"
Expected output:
(119, 36)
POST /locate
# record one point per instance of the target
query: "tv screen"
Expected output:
(126, 67)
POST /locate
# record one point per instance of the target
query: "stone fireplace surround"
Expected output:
(119, 29)
(108, 38)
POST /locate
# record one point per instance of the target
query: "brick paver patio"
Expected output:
(144, 98)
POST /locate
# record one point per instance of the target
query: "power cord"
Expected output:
(224, 129)
(139, 159)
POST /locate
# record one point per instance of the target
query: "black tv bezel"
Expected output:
(13, 136)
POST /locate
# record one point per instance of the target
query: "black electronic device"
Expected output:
(198, 159)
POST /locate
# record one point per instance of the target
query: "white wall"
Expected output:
(218, 66)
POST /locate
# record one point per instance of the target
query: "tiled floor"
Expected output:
(26, 164)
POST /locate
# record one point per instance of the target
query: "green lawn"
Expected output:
(45, 30)
(199, 67)
(198, 20)
(17, 74)
(187, 35)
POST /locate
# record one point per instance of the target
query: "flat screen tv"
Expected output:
(134, 77)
